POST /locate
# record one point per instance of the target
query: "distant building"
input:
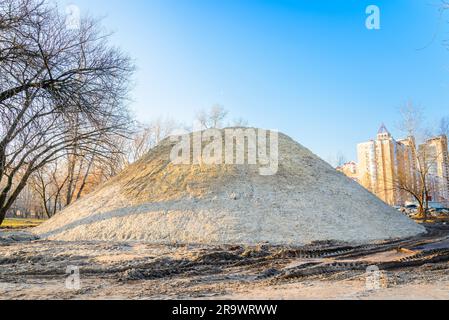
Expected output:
(380, 165)
(350, 170)
(383, 162)
(436, 154)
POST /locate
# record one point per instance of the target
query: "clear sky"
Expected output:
(309, 68)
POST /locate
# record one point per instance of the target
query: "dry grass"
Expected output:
(20, 223)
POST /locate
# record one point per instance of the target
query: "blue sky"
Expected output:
(308, 68)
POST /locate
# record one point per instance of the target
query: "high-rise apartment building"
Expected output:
(384, 164)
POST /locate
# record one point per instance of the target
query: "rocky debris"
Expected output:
(17, 236)
(268, 274)
(132, 274)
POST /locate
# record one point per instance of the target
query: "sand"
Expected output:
(159, 202)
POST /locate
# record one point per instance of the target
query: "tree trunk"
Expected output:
(426, 204)
(86, 175)
(7, 202)
(2, 215)
(71, 174)
(44, 205)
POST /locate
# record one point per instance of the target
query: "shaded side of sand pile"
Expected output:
(157, 201)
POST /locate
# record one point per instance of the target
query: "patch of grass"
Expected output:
(433, 220)
(12, 223)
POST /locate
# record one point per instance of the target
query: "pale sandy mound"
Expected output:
(159, 202)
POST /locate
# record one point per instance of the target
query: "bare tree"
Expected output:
(239, 122)
(27, 204)
(147, 136)
(341, 159)
(419, 186)
(62, 92)
(212, 118)
(78, 171)
(48, 183)
(444, 126)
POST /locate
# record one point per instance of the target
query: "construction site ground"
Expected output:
(414, 268)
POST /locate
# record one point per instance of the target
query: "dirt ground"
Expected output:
(414, 268)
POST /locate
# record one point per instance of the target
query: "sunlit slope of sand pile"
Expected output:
(157, 201)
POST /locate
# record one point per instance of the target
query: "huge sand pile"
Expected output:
(157, 201)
